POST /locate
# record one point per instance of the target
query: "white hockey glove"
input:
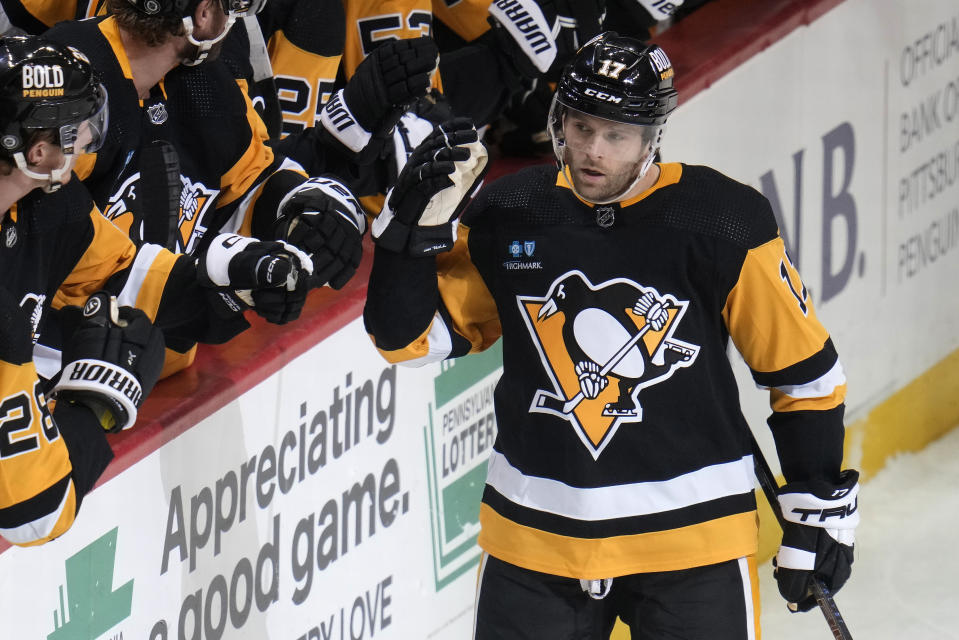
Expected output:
(653, 310)
(540, 36)
(591, 383)
(818, 538)
(114, 357)
(242, 272)
(323, 218)
(362, 114)
(419, 216)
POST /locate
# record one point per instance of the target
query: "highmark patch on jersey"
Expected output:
(601, 345)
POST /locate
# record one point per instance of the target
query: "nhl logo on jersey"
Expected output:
(10, 237)
(601, 345)
(157, 113)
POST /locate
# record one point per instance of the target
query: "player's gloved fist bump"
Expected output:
(818, 538)
(419, 216)
(380, 90)
(270, 277)
(113, 358)
(322, 217)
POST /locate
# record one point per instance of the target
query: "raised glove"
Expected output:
(540, 36)
(362, 114)
(322, 217)
(270, 277)
(420, 213)
(114, 357)
(818, 537)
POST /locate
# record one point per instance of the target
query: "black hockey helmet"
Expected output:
(47, 85)
(184, 8)
(619, 79)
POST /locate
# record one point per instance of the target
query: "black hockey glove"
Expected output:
(818, 537)
(386, 82)
(540, 36)
(419, 216)
(114, 357)
(242, 272)
(322, 217)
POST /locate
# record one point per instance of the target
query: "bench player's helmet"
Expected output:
(183, 9)
(46, 86)
(618, 80)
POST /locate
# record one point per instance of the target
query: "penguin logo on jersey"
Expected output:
(32, 304)
(601, 345)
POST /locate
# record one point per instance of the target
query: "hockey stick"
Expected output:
(550, 402)
(819, 590)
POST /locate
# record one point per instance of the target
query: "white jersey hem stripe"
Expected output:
(619, 501)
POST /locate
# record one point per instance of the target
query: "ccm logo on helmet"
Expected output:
(602, 95)
(41, 80)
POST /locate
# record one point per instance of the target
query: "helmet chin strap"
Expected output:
(53, 179)
(204, 46)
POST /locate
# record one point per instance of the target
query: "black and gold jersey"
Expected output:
(199, 126)
(56, 250)
(305, 43)
(621, 445)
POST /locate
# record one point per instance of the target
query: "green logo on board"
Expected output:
(458, 439)
(92, 606)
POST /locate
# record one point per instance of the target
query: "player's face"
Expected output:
(604, 157)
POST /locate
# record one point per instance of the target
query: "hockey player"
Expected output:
(59, 252)
(185, 156)
(621, 479)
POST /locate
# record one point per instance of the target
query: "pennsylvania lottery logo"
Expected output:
(458, 439)
(601, 345)
(90, 607)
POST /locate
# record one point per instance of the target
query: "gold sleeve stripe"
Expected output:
(49, 527)
(709, 542)
(175, 361)
(109, 251)
(465, 295)
(147, 279)
(764, 312)
(432, 345)
(782, 402)
(255, 160)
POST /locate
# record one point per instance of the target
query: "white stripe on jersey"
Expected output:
(440, 344)
(138, 274)
(623, 500)
(821, 387)
(39, 528)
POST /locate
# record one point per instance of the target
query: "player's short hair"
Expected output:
(153, 31)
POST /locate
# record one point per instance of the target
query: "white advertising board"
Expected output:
(337, 499)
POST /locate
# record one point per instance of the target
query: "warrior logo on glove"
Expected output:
(601, 345)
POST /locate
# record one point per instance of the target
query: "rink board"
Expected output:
(245, 465)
